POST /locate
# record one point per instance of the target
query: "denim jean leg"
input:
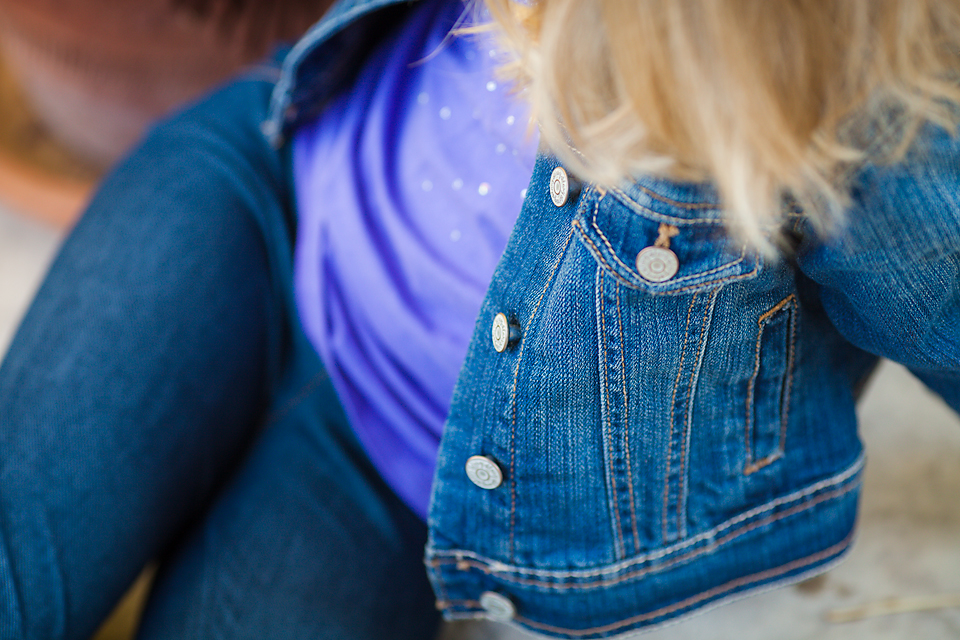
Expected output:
(139, 374)
(131, 394)
(307, 542)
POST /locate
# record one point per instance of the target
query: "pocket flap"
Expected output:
(697, 252)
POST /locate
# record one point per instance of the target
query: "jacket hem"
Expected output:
(777, 543)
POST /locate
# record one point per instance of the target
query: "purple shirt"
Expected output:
(407, 188)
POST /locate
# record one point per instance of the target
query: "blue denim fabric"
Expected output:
(664, 446)
(161, 401)
(668, 445)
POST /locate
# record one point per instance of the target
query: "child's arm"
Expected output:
(891, 277)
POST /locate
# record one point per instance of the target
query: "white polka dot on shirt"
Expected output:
(426, 185)
(484, 188)
(423, 98)
(455, 235)
(491, 86)
(457, 184)
(511, 120)
(501, 148)
(445, 113)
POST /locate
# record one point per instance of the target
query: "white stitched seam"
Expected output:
(641, 210)
(699, 274)
(694, 379)
(634, 285)
(686, 206)
(673, 407)
(838, 550)
(502, 567)
(653, 568)
(693, 602)
(606, 425)
(595, 252)
(626, 426)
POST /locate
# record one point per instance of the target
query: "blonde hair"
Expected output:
(764, 97)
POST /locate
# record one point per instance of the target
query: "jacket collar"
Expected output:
(318, 64)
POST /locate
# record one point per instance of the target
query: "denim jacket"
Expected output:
(632, 447)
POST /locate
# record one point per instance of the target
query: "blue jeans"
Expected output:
(160, 401)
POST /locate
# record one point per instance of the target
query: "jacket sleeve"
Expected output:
(889, 276)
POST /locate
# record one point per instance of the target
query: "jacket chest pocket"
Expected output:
(666, 249)
(659, 325)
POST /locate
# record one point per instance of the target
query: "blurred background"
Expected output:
(81, 79)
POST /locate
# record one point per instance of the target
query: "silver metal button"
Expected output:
(657, 264)
(498, 607)
(500, 332)
(484, 472)
(559, 187)
(503, 333)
